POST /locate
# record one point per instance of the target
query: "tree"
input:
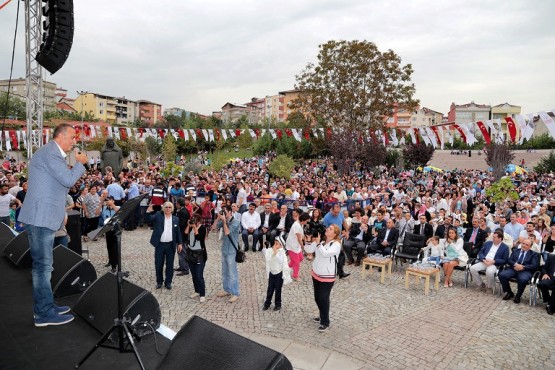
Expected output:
(245, 140)
(152, 146)
(501, 190)
(169, 149)
(353, 89)
(418, 154)
(281, 166)
(546, 164)
(498, 156)
(12, 107)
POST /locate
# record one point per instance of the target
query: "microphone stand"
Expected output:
(122, 325)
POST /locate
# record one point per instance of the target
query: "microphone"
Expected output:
(79, 150)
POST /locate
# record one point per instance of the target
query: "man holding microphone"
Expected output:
(43, 213)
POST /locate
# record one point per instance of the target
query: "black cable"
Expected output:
(11, 72)
(154, 335)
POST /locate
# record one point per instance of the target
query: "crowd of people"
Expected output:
(324, 215)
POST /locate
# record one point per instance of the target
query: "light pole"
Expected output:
(81, 93)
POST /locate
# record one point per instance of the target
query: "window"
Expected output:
(101, 111)
(101, 104)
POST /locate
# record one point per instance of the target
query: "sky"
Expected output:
(199, 55)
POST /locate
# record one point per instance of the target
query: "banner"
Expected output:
(549, 123)
(511, 127)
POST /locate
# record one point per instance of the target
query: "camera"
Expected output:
(222, 212)
(191, 222)
(315, 230)
(266, 244)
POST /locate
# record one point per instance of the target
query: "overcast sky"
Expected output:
(198, 55)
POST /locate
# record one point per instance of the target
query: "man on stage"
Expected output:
(43, 213)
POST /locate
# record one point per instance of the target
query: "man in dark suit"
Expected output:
(476, 236)
(547, 283)
(166, 236)
(493, 255)
(387, 238)
(424, 228)
(279, 223)
(183, 215)
(265, 224)
(44, 212)
(441, 229)
(522, 264)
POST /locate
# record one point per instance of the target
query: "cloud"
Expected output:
(198, 55)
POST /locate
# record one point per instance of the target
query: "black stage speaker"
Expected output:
(58, 29)
(18, 251)
(71, 274)
(99, 305)
(201, 345)
(73, 228)
(6, 236)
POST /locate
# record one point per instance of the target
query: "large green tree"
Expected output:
(353, 88)
(12, 107)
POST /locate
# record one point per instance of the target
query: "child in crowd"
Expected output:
(433, 251)
(278, 272)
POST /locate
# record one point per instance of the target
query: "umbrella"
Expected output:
(432, 168)
(519, 170)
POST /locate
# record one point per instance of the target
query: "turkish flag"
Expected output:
(181, 133)
(461, 132)
(328, 132)
(512, 128)
(77, 133)
(141, 132)
(484, 131)
(434, 129)
(306, 134)
(237, 132)
(416, 135)
(15, 143)
(288, 132)
(87, 130)
(123, 133)
(279, 133)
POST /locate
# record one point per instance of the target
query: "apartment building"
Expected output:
(107, 108)
(274, 108)
(426, 117)
(232, 112)
(256, 110)
(18, 89)
(149, 112)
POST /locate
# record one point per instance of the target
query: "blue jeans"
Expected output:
(230, 275)
(41, 241)
(197, 273)
(164, 252)
(61, 240)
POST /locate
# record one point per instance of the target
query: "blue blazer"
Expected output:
(49, 182)
(501, 256)
(530, 262)
(158, 221)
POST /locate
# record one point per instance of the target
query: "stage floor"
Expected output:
(24, 346)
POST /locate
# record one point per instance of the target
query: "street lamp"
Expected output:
(80, 93)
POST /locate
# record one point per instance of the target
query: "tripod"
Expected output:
(122, 325)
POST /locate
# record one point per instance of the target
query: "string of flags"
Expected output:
(517, 129)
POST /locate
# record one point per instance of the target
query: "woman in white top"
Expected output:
(454, 255)
(324, 270)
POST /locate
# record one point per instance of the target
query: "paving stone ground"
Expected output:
(373, 325)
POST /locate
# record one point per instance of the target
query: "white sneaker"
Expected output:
(194, 295)
(202, 299)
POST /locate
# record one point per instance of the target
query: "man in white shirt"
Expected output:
(250, 221)
(513, 228)
(493, 254)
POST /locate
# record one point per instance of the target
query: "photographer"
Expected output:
(230, 276)
(109, 209)
(195, 255)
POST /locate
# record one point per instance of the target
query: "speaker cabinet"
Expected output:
(71, 273)
(18, 251)
(99, 305)
(73, 228)
(6, 236)
(205, 346)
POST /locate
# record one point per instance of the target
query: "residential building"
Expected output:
(256, 110)
(275, 108)
(232, 112)
(150, 112)
(288, 97)
(468, 113)
(65, 107)
(425, 117)
(18, 89)
(501, 111)
(107, 108)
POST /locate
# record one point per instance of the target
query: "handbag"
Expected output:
(240, 256)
